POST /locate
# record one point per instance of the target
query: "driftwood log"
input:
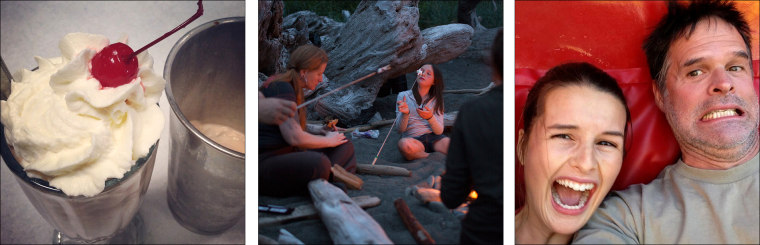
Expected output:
(277, 40)
(379, 33)
(382, 170)
(307, 211)
(346, 222)
(294, 35)
(287, 238)
(415, 228)
(264, 240)
(270, 44)
(352, 181)
(466, 14)
(322, 30)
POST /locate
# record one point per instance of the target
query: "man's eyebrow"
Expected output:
(692, 61)
(739, 54)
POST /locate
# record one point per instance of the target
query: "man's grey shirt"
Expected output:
(682, 205)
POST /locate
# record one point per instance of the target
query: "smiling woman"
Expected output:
(572, 148)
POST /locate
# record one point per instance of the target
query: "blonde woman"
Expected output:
(290, 154)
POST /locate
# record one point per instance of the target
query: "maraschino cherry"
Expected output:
(116, 64)
(111, 67)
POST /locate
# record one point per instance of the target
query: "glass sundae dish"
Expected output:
(82, 151)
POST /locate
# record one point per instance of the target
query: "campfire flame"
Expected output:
(473, 195)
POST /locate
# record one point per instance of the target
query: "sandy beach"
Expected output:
(468, 71)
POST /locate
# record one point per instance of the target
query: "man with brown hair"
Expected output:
(701, 62)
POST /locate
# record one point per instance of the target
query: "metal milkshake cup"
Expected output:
(205, 81)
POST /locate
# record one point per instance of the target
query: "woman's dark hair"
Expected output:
(569, 74)
(680, 21)
(436, 91)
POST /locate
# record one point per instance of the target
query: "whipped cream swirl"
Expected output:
(66, 128)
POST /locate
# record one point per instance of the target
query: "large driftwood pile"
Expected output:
(378, 33)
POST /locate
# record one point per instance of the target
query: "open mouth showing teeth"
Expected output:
(570, 194)
(721, 113)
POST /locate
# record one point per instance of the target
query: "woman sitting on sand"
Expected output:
(284, 167)
(572, 147)
(422, 128)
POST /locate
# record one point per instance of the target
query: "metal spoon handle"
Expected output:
(5, 81)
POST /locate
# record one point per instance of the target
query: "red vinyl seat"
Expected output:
(608, 35)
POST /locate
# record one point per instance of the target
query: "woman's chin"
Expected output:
(568, 227)
(568, 224)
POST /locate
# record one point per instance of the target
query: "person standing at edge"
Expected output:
(476, 150)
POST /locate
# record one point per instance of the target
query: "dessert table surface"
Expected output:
(31, 28)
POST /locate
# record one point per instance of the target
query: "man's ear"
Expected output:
(657, 96)
(520, 146)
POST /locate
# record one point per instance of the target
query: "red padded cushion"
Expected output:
(608, 35)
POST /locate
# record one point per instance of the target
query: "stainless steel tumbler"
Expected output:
(205, 81)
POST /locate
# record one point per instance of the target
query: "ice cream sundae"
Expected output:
(71, 124)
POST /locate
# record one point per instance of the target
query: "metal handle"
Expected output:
(5, 81)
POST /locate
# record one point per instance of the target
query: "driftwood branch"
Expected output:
(287, 238)
(264, 240)
(382, 170)
(352, 181)
(346, 222)
(415, 228)
(307, 211)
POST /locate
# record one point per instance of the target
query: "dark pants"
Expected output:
(289, 173)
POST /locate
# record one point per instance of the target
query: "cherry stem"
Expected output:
(191, 19)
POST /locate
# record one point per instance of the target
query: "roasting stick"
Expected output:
(391, 130)
(379, 70)
(386, 137)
